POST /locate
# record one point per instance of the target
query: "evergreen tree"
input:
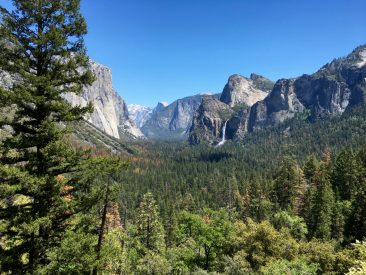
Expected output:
(106, 189)
(310, 168)
(287, 184)
(150, 230)
(322, 202)
(356, 223)
(41, 46)
(346, 175)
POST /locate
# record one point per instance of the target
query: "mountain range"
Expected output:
(330, 91)
(244, 106)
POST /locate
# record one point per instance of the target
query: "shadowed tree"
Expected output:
(41, 46)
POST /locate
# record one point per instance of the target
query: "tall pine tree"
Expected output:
(41, 46)
(150, 230)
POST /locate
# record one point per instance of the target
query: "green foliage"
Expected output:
(262, 243)
(347, 175)
(152, 264)
(287, 184)
(209, 232)
(320, 205)
(296, 267)
(150, 230)
(360, 265)
(76, 254)
(42, 47)
(114, 258)
(237, 264)
(294, 224)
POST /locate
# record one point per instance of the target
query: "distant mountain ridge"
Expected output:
(338, 85)
(173, 122)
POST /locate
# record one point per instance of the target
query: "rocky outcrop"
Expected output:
(242, 91)
(160, 107)
(262, 83)
(209, 121)
(332, 90)
(281, 104)
(110, 111)
(172, 121)
(337, 86)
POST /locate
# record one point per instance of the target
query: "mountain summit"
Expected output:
(337, 86)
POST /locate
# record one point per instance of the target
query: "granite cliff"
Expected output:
(336, 87)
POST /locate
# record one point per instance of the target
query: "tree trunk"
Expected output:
(101, 232)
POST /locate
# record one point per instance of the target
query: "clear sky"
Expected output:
(162, 50)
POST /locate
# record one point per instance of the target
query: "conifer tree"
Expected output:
(310, 167)
(42, 47)
(287, 184)
(356, 224)
(150, 230)
(319, 219)
(347, 175)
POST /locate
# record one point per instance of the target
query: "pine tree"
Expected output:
(150, 230)
(310, 167)
(41, 46)
(347, 175)
(319, 219)
(287, 184)
(356, 223)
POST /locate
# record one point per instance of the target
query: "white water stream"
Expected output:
(223, 139)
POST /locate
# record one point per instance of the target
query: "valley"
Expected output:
(258, 177)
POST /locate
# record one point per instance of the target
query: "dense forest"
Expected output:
(288, 200)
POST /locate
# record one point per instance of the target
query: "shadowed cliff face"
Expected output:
(209, 121)
(173, 121)
(336, 87)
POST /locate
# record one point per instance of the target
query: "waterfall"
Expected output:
(223, 140)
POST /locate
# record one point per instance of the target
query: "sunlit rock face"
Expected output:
(241, 90)
(110, 111)
(336, 87)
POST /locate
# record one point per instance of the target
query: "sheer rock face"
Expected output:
(209, 121)
(110, 111)
(241, 91)
(172, 121)
(281, 104)
(336, 87)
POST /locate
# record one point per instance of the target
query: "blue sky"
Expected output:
(162, 50)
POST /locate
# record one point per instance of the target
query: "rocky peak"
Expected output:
(336, 87)
(174, 120)
(262, 83)
(161, 106)
(363, 59)
(240, 90)
(110, 111)
(209, 120)
(139, 114)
